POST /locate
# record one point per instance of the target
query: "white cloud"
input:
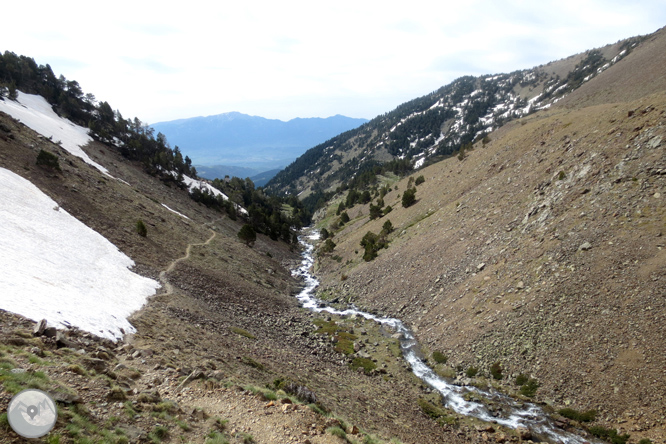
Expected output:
(294, 58)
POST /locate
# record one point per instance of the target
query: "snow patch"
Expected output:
(36, 113)
(55, 267)
(174, 211)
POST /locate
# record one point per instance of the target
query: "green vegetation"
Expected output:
(337, 431)
(419, 180)
(141, 228)
(587, 416)
(158, 434)
(4, 422)
(439, 357)
(496, 371)
(372, 243)
(215, 437)
(137, 141)
(328, 246)
(435, 412)
(247, 235)
(245, 438)
(609, 435)
(366, 364)
(521, 379)
(344, 341)
(240, 331)
(472, 372)
(529, 388)
(50, 160)
(409, 197)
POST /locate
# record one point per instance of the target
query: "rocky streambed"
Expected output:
(487, 405)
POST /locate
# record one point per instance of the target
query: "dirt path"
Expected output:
(163, 274)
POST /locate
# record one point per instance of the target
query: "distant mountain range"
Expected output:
(260, 178)
(239, 140)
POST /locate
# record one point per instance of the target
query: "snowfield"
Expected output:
(36, 113)
(57, 268)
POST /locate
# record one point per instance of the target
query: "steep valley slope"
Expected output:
(222, 352)
(541, 252)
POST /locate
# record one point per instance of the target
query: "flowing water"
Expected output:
(510, 413)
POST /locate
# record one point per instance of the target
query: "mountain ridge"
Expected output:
(537, 254)
(438, 124)
(238, 139)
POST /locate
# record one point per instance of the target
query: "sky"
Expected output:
(162, 61)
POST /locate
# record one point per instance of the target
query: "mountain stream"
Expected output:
(513, 413)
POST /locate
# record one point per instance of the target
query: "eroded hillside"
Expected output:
(222, 352)
(541, 250)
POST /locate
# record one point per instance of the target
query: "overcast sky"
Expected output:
(283, 59)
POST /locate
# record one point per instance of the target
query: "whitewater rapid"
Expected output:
(514, 414)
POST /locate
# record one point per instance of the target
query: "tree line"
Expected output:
(275, 216)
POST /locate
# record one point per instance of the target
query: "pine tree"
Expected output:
(247, 234)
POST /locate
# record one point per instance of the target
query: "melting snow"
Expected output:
(174, 211)
(203, 185)
(36, 113)
(55, 267)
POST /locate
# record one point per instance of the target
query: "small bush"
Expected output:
(387, 228)
(521, 379)
(439, 357)
(409, 197)
(429, 408)
(609, 435)
(317, 409)
(471, 372)
(561, 175)
(50, 160)
(328, 246)
(366, 364)
(419, 180)
(246, 438)
(645, 441)
(159, 433)
(496, 370)
(529, 388)
(587, 416)
(337, 431)
(141, 228)
(247, 234)
(344, 218)
(214, 437)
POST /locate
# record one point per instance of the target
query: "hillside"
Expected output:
(236, 139)
(437, 125)
(539, 252)
(221, 353)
